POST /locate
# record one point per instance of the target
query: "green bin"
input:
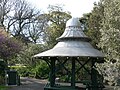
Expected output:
(12, 78)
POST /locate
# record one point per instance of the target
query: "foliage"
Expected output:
(32, 65)
(37, 29)
(102, 26)
(23, 71)
(2, 72)
(9, 47)
(2, 67)
(21, 20)
(92, 23)
(2, 80)
(110, 40)
(41, 70)
(25, 56)
(63, 78)
(57, 19)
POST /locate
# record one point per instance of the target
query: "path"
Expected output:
(36, 84)
(29, 84)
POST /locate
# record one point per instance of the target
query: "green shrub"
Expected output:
(2, 72)
(2, 80)
(64, 78)
(23, 71)
(41, 70)
(2, 67)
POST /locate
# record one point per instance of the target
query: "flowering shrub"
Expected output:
(9, 47)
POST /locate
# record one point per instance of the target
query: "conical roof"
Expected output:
(74, 31)
(72, 43)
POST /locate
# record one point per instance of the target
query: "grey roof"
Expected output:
(73, 22)
(72, 43)
(71, 49)
(73, 29)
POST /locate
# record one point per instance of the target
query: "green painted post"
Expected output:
(93, 77)
(52, 73)
(73, 73)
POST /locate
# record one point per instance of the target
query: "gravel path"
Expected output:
(36, 84)
(29, 84)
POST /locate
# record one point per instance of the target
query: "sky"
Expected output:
(76, 7)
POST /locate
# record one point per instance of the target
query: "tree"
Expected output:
(110, 39)
(25, 57)
(36, 30)
(92, 23)
(57, 19)
(23, 16)
(9, 48)
(102, 26)
(5, 8)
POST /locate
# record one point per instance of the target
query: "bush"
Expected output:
(41, 70)
(64, 78)
(2, 80)
(2, 67)
(2, 72)
(23, 71)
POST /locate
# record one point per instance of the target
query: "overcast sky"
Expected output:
(76, 7)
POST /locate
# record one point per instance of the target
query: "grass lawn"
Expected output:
(3, 87)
